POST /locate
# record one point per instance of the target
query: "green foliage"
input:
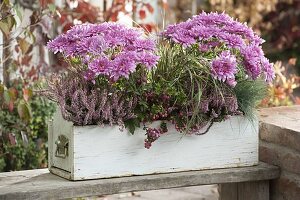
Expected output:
(184, 73)
(23, 129)
(42, 109)
(2, 164)
(183, 76)
(176, 89)
(131, 124)
(249, 94)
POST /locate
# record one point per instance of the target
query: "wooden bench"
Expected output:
(246, 183)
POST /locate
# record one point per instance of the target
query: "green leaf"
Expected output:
(24, 111)
(131, 124)
(75, 60)
(52, 7)
(4, 28)
(6, 97)
(2, 164)
(6, 2)
(11, 22)
(18, 12)
(31, 35)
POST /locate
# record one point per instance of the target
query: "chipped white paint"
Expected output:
(102, 152)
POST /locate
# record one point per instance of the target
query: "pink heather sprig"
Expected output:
(85, 106)
(209, 30)
(109, 49)
(154, 133)
(215, 105)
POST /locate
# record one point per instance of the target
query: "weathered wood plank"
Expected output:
(252, 190)
(40, 184)
(228, 191)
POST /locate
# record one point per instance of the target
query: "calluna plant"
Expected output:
(83, 105)
(202, 71)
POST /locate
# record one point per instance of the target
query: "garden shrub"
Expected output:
(23, 128)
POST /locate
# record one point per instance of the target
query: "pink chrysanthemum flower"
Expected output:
(109, 49)
(224, 67)
(220, 28)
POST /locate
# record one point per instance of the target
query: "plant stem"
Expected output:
(6, 52)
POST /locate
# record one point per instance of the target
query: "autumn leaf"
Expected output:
(11, 106)
(149, 7)
(26, 59)
(44, 3)
(24, 45)
(114, 16)
(148, 28)
(13, 93)
(32, 72)
(27, 94)
(10, 97)
(142, 14)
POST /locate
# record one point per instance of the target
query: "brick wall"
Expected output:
(280, 145)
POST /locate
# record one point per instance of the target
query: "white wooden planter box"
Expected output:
(102, 152)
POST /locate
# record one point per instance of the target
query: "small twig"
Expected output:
(1, 19)
(208, 128)
(6, 58)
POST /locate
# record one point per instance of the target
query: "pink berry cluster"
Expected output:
(154, 133)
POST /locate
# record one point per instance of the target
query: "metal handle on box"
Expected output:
(62, 146)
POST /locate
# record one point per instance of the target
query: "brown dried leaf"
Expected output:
(24, 45)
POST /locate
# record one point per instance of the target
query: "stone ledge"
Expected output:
(280, 135)
(287, 117)
(280, 145)
(285, 158)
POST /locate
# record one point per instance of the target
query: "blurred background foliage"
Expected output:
(27, 25)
